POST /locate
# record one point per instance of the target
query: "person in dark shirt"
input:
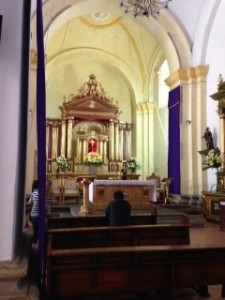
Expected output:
(118, 211)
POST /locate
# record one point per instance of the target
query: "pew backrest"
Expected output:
(95, 221)
(133, 235)
(95, 271)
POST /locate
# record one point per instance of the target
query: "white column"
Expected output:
(193, 102)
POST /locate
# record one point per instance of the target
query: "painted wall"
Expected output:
(10, 95)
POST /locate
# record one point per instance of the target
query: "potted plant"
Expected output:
(93, 159)
(62, 163)
(133, 165)
(213, 159)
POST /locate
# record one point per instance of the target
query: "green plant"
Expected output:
(133, 165)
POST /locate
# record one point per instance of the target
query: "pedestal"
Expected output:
(85, 209)
(92, 169)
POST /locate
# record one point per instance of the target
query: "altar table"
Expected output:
(139, 193)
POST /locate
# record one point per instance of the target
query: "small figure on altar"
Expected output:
(124, 174)
(208, 138)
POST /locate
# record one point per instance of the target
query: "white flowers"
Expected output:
(62, 163)
(93, 159)
(213, 159)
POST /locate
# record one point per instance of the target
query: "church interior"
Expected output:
(132, 100)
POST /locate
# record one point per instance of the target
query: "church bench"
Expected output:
(95, 221)
(133, 235)
(75, 273)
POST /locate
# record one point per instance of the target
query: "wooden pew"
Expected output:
(133, 235)
(75, 273)
(95, 221)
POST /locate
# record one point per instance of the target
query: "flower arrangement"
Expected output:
(61, 162)
(93, 158)
(133, 165)
(213, 159)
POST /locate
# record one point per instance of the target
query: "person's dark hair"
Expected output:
(35, 185)
(118, 195)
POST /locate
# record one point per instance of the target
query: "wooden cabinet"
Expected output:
(210, 205)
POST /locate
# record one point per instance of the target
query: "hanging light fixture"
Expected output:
(144, 8)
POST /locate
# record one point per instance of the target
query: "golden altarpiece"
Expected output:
(89, 124)
(212, 200)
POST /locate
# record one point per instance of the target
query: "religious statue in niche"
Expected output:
(212, 154)
(92, 145)
(208, 139)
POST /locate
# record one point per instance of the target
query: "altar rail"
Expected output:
(74, 273)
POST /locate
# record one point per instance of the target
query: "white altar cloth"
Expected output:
(151, 183)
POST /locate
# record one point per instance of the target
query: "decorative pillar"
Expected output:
(101, 147)
(111, 140)
(220, 97)
(116, 141)
(193, 102)
(105, 151)
(222, 138)
(69, 137)
(49, 125)
(146, 152)
(86, 207)
(63, 137)
(79, 150)
(55, 139)
(84, 149)
(128, 140)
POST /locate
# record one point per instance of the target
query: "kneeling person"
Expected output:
(118, 211)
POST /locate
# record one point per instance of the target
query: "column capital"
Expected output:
(189, 74)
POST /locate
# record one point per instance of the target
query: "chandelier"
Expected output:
(144, 8)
